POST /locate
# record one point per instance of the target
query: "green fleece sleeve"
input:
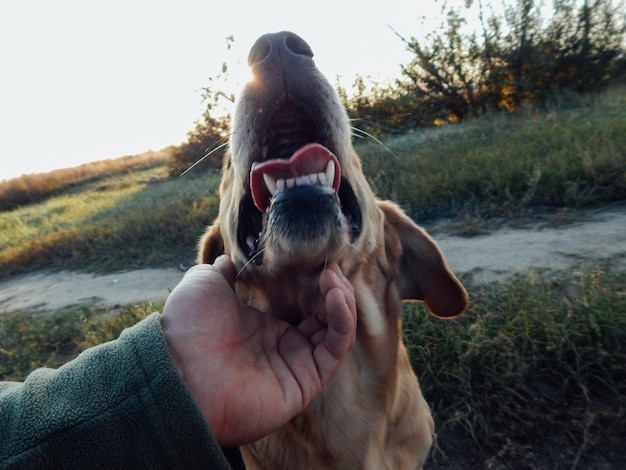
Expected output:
(118, 405)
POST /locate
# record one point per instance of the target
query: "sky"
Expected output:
(86, 80)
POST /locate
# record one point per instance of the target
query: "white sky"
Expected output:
(85, 80)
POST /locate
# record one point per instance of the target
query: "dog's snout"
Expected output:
(282, 48)
(297, 45)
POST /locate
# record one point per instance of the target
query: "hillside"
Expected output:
(528, 209)
(493, 168)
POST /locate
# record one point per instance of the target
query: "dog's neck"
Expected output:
(289, 294)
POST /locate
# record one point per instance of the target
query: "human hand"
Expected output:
(249, 371)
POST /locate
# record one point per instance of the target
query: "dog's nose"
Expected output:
(277, 51)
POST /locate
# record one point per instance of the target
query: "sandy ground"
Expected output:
(47, 291)
(591, 235)
(495, 256)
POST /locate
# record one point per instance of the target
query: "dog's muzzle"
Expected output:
(297, 206)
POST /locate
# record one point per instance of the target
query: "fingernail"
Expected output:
(340, 273)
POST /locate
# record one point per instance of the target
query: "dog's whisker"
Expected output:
(205, 156)
(251, 260)
(361, 134)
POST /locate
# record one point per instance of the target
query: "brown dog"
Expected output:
(293, 196)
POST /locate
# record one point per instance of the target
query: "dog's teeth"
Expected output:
(271, 184)
(250, 241)
(280, 186)
(303, 180)
(314, 179)
(330, 173)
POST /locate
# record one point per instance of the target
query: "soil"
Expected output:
(549, 243)
(555, 242)
(50, 291)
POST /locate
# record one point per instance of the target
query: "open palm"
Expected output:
(251, 372)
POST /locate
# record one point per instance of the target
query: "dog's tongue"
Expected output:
(312, 159)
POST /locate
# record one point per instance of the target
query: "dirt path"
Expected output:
(494, 256)
(48, 291)
(592, 235)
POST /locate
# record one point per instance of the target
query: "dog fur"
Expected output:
(372, 414)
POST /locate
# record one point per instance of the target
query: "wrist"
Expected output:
(169, 341)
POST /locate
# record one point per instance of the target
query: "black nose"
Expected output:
(278, 50)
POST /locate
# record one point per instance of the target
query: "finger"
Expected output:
(344, 280)
(224, 265)
(340, 333)
(203, 279)
(201, 272)
(331, 278)
(340, 318)
(339, 338)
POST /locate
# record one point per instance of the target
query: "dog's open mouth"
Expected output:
(295, 170)
(312, 170)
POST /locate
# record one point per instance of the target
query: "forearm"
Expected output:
(118, 405)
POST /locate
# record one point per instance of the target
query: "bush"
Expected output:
(518, 59)
(204, 149)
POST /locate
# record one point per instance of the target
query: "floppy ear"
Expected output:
(211, 244)
(422, 271)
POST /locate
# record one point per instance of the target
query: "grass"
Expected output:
(532, 376)
(491, 167)
(28, 189)
(532, 373)
(127, 221)
(508, 165)
(30, 341)
(534, 369)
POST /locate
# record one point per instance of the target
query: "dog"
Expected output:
(292, 197)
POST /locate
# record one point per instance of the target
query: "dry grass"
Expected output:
(32, 188)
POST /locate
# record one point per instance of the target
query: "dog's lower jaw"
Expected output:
(303, 233)
(280, 252)
(290, 294)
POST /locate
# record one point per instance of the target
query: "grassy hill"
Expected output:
(532, 376)
(573, 155)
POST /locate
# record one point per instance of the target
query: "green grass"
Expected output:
(535, 361)
(36, 187)
(30, 341)
(130, 221)
(507, 165)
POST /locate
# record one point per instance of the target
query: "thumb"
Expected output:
(224, 265)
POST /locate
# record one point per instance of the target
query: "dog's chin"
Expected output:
(304, 230)
(301, 229)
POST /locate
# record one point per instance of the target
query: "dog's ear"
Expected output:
(422, 270)
(211, 244)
